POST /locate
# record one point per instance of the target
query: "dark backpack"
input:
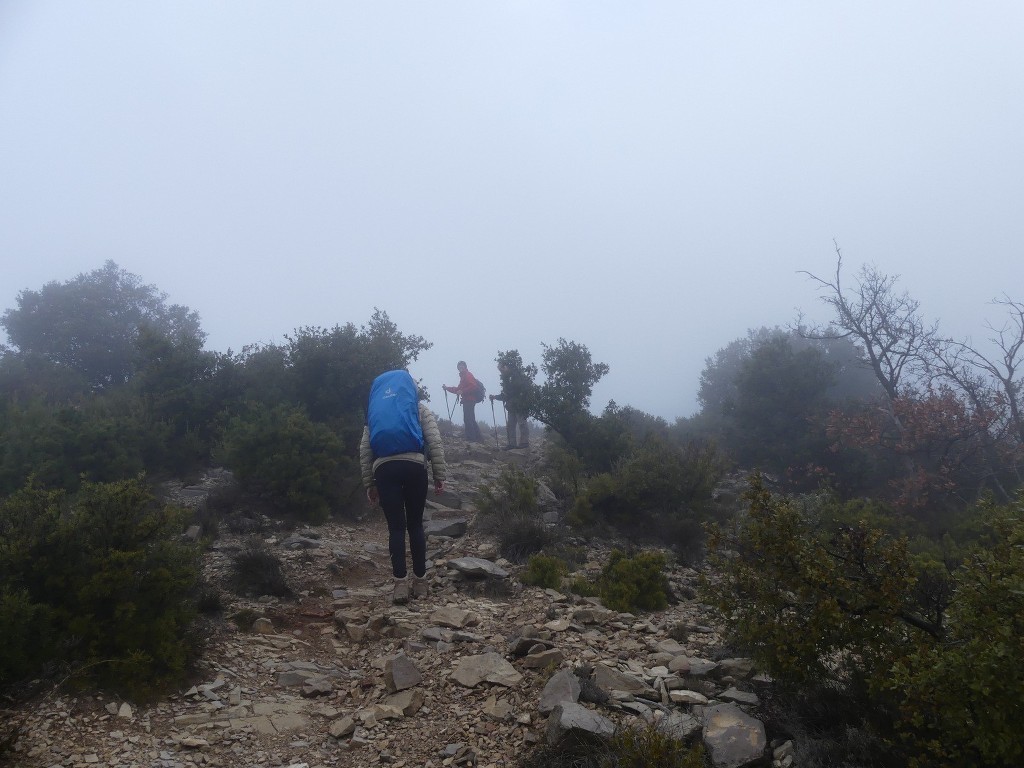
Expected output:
(481, 392)
(393, 415)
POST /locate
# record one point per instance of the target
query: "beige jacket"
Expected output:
(433, 451)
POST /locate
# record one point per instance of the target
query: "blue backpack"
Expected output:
(393, 415)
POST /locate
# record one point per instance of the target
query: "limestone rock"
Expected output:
(400, 673)
(569, 718)
(563, 687)
(471, 671)
(739, 697)
(477, 567)
(408, 701)
(732, 737)
(342, 727)
(456, 618)
(452, 528)
(608, 679)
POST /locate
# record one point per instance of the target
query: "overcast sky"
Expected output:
(646, 178)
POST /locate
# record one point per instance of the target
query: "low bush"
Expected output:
(287, 460)
(101, 584)
(645, 747)
(634, 583)
(661, 492)
(932, 665)
(584, 587)
(509, 511)
(544, 571)
(256, 571)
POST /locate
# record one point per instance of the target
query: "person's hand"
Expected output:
(372, 495)
(438, 487)
(492, 398)
(446, 388)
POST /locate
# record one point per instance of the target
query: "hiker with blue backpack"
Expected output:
(471, 392)
(399, 439)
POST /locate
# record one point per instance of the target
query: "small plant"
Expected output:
(544, 571)
(627, 748)
(257, 571)
(509, 510)
(634, 583)
(584, 587)
(643, 748)
(245, 618)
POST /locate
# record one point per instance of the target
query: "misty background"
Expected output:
(645, 178)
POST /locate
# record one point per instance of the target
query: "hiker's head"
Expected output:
(462, 366)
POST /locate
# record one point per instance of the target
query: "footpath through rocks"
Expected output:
(475, 674)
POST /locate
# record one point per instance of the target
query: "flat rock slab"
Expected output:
(471, 671)
(477, 567)
(563, 687)
(732, 737)
(608, 679)
(452, 528)
(569, 717)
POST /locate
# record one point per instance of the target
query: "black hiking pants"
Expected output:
(402, 486)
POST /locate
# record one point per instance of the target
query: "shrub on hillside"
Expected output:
(627, 748)
(509, 510)
(286, 459)
(932, 667)
(101, 583)
(544, 571)
(661, 492)
(256, 571)
(634, 583)
(60, 445)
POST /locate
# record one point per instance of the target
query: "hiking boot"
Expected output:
(509, 448)
(419, 587)
(401, 593)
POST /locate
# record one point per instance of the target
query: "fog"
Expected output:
(646, 178)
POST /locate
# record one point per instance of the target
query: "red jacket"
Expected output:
(467, 385)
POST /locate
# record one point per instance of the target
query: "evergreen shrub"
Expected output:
(660, 492)
(932, 666)
(509, 510)
(101, 584)
(635, 583)
(256, 571)
(544, 571)
(287, 460)
(645, 747)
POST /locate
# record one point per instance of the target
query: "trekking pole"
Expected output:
(494, 421)
(450, 411)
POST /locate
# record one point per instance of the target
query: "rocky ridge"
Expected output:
(475, 674)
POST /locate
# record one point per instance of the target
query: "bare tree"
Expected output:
(885, 322)
(990, 382)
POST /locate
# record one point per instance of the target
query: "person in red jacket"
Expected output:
(469, 389)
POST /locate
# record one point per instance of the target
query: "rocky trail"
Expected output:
(475, 674)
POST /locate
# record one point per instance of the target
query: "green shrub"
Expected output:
(514, 493)
(544, 571)
(628, 748)
(509, 511)
(634, 583)
(584, 588)
(660, 492)
(648, 747)
(932, 663)
(105, 577)
(286, 459)
(256, 571)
